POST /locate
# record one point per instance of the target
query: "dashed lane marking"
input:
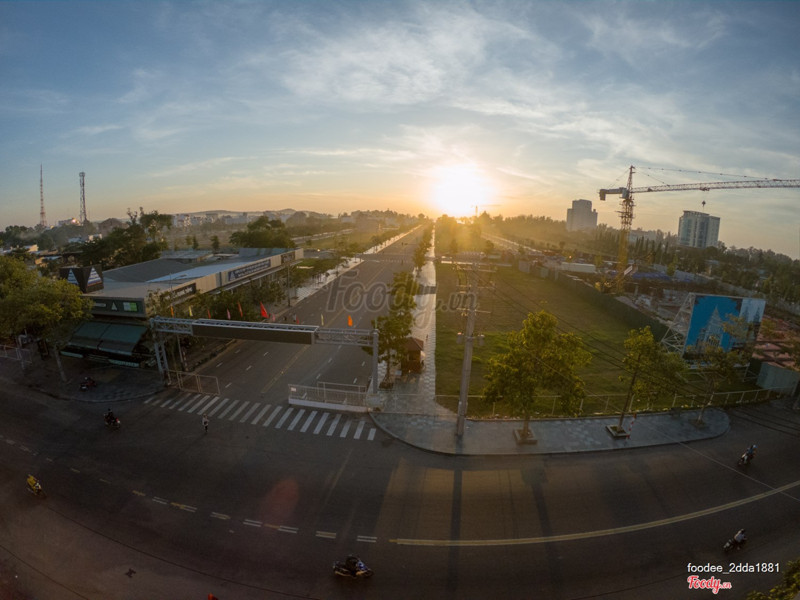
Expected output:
(252, 523)
(287, 529)
(185, 507)
(160, 500)
(330, 535)
(370, 539)
(220, 516)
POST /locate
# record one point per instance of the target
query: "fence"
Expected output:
(330, 394)
(192, 382)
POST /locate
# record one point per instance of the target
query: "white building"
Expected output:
(698, 230)
(581, 216)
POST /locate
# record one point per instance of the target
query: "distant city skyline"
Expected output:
(515, 107)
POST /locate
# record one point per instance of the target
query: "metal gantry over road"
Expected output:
(264, 332)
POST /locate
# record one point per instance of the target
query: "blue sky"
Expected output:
(517, 107)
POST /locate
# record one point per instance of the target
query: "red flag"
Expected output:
(209, 312)
(229, 313)
(241, 314)
(264, 312)
(349, 321)
(171, 310)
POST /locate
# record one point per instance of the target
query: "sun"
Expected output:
(460, 190)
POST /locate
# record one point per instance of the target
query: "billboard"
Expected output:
(711, 314)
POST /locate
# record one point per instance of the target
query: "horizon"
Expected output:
(506, 107)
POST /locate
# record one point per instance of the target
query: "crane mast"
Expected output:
(626, 203)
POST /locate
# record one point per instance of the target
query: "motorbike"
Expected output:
(744, 460)
(112, 422)
(87, 383)
(733, 543)
(352, 567)
(35, 486)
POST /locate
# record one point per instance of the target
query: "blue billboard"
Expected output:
(711, 314)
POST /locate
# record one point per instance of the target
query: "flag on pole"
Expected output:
(190, 312)
(171, 310)
(208, 310)
(273, 317)
(264, 312)
(322, 320)
(229, 313)
(241, 314)
(349, 321)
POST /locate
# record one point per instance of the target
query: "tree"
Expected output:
(215, 243)
(538, 360)
(395, 327)
(263, 233)
(44, 308)
(651, 370)
(787, 589)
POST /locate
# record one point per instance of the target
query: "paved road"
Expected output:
(260, 505)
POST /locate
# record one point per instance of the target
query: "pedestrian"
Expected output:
(205, 422)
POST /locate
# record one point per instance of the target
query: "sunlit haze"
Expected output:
(433, 107)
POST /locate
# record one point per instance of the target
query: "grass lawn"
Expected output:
(508, 295)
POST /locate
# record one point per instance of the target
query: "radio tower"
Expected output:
(82, 217)
(42, 217)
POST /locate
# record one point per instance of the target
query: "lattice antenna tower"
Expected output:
(82, 217)
(42, 216)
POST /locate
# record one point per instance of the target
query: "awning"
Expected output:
(111, 338)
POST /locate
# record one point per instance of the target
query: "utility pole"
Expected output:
(468, 338)
(42, 217)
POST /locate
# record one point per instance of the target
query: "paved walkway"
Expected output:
(410, 412)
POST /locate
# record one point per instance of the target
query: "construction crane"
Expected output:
(626, 204)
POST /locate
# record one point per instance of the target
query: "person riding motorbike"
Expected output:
(740, 537)
(110, 418)
(750, 452)
(34, 484)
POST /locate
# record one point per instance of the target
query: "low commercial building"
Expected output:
(125, 298)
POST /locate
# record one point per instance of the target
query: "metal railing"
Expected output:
(346, 395)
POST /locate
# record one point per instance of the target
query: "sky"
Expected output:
(513, 108)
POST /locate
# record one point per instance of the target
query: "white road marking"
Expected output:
(294, 422)
(273, 415)
(253, 409)
(284, 417)
(238, 410)
(218, 406)
(322, 420)
(230, 406)
(308, 421)
(261, 414)
(333, 424)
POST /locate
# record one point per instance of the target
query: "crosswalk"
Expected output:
(287, 418)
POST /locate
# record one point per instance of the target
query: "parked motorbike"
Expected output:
(736, 542)
(87, 383)
(352, 567)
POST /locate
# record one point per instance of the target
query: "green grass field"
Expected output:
(507, 297)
